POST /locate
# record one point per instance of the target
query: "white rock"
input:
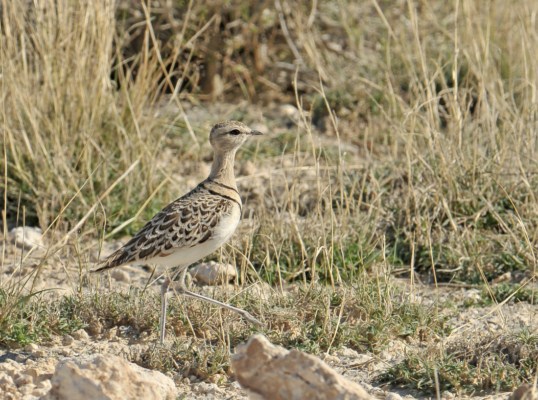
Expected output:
(27, 237)
(272, 372)
(213, 273)
(40, 353)
(31, 347)
(108, 377)
(206, 388)
(289, 111)
(81, 334)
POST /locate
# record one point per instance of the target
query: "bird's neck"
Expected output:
(222, 169)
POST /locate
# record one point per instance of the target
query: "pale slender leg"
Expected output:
(164, 306)
(180, 288)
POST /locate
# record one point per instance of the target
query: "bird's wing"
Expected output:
(186, 222)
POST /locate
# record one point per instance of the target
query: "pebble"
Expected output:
(40, 353)
(31, 348)
(330, 359)
(213, 273)
(27, 237)
(81, 334)
(68, 340)
(206, 388)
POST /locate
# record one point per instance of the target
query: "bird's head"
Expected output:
(230, 135)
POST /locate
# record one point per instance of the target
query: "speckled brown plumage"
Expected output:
(186, 222)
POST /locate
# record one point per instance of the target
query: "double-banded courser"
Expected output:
(194, 225)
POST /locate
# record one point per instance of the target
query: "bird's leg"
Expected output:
(164, 299)
(181, 288)
(164, 305)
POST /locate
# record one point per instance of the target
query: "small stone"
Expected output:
(348, 353)
(213, 273)
(65, 352)
(40, 353)
(68, 340)
(289, 111)
(330, 359)
(27, 237)
(81, 334)
(121, 275)
(393, 396)
(31, 347)
(208, 389)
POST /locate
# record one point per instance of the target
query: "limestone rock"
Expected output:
(213, 273)
(271, 372)
(108, 377)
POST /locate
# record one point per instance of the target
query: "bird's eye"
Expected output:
(234, 132)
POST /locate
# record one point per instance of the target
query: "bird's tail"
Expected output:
(113, 260)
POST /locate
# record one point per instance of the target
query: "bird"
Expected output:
(194, 225)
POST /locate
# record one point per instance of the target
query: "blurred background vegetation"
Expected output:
(432, 103)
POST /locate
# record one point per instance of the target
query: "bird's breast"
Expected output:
(227, 224)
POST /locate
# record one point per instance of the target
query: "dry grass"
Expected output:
(413, 150)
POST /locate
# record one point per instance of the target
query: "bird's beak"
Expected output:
(255, 133)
